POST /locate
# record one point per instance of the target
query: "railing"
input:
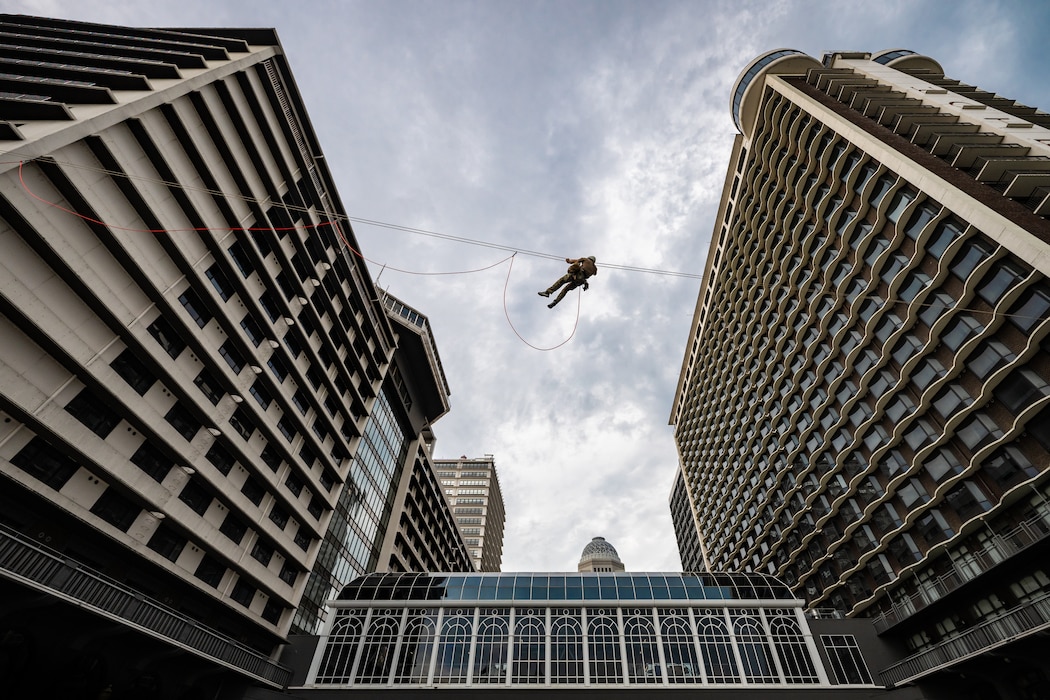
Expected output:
(25, 561)
(996, 550)
(1022, 621)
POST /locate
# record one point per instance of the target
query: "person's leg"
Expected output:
(565, 290)
(551, 289)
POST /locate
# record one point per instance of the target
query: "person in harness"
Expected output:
(580, 269)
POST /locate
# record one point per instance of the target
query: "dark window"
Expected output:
(233, 528)
(167, 337)
(300, 401)
(272, 611)
(252, 330)
(959, 331)
(286, 428)
(1031, 310)
(195, 307)
(183, 421)
(253, 491)
(210, 571)
(285, 284)
(277, 366)
(241, 259)
(988, 357)
(315, 508)
(243, 592)
(294, 348)
(271, 457)
(166, 542)
(294, 484)
(116, 510)
(43, 462)
(279, 516)
(262, 396)
(220, 457)
(132, 370)
(1009, 467)
(209, 386)
(242, 422)
(306, 323)
(232, 356)
(327, 480)
(289, 574)
(307, 456)
(971, 255)
(999, 280)
(314, 377)
(302, 538)
(270, 306)
(220, 282)
(90, 411)
(196, 497)
(152, 461)
(263, 551)
(1021, 389)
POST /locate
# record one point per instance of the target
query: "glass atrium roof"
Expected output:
(618, 586)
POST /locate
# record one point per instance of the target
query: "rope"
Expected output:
(506, 312)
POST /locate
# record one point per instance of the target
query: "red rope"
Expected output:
(506, 312)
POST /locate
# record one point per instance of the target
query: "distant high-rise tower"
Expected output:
(599, 555)
(472, 487)
(864, 404)
(207, 405)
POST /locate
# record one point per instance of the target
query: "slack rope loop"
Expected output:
(506, 312)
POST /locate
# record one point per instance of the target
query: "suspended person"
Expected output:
(580, 269)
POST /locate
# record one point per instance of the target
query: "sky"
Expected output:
(569, 129)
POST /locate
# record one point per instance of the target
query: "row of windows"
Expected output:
(530, 646)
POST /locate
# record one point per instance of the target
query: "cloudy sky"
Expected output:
(565, 128)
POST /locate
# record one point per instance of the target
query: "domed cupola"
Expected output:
(599, 555)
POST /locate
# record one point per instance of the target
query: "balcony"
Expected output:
(23, 561)
(1022, 621)
(1001, 548)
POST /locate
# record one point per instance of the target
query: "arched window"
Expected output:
(680, 664)
(791, 647)
(530, 646)
(714, 646)
(754, 648)
(453, 652)
(643, 659)
(413, 666)
(566, 647)
(377, 653)
(490, 651)
(340, 648)
(603, 646)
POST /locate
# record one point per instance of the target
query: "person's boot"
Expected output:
(551, 305)
(544, 294)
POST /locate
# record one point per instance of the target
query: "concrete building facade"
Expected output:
(207, 407)
(864, 403)
(472, 485)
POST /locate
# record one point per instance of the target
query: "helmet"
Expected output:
(592, 258)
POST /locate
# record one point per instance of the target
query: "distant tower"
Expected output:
(599, 555)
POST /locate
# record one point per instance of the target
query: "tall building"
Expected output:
(864, 403)
(472, 486)
(685, 532)
(207, 408)
(599, 555)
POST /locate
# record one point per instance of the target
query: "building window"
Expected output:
(220, 457)
(183, 421)
(44, 462)
(242, 422)
(490, 654)
(253, 491)
(271, 457)
(260, 394)
(210, 571)
(377, 652)
(196, 497)
(92, 412)
(1021, 389)
(209, 386)
(279, 516)
(604, 649)
(133, 371)
(116, 510)
(241, 259)
(270, 306)
(681, 665)
(262, 552)
(195, 307)
(152, 461)
(233, 528)
(243, 593)
(167, 337)
(1031, 310)
(278, 368)
(847, 664)
(529, 651)
(220, 282)
(715, 648)
(166, 542)
(252, 330)
(285, 426)
(232, 356)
